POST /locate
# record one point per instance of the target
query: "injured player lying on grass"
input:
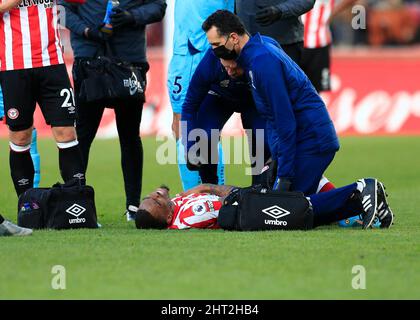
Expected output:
(199, 207)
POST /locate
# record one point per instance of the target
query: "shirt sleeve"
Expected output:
(200, 85)
(150, 11)
(206, 221)
(271, 86)
(295, 8)
(73, 21)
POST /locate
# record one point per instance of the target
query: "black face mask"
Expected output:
(224, 53)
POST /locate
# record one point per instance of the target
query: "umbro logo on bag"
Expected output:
(76, 210)
(276, 212)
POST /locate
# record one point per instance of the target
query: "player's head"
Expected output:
(232, 68)
(224, 30)
(155, 210)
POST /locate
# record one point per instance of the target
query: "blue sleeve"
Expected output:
(271, 41)
(200, 85)
(295, 8)
(149, 12)
(271, 86)
(1, 104)
(73, 21)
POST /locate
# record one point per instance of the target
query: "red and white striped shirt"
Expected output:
(317, 31)
(196, 211)
(29, 36)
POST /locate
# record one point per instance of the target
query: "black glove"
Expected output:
(268, 175)
(122, 18)
(95, 34)
(268, 15)
(193, 166)
(282, 184)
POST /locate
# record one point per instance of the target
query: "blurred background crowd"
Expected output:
(388, 23)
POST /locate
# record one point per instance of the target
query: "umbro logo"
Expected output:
(76, 210)
(23, 182)
(276, 212)
(79, 176)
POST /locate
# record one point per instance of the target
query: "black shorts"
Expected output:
(294, 51)
(48, 86)
(316, 64)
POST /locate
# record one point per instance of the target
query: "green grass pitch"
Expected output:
(120, 262)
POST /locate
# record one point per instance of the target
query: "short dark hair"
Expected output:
(226, 22)
(164, 186)
(145, 220)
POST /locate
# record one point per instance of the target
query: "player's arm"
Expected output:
(217, 190)
(198, 88)
(149, 11)
(295, 8)
(72, 20)
(270, 83)
(285, 10)
(7, 5)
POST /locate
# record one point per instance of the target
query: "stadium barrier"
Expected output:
(375, 92)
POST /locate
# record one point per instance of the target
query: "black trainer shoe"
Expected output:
(385, 214)
(368, 192)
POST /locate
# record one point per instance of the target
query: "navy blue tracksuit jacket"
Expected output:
(211, 99)
(128, 43)
(298, 124)
(210, 75)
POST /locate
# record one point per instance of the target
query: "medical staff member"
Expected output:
(190, 45)
(213, 96)
(301, 135)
